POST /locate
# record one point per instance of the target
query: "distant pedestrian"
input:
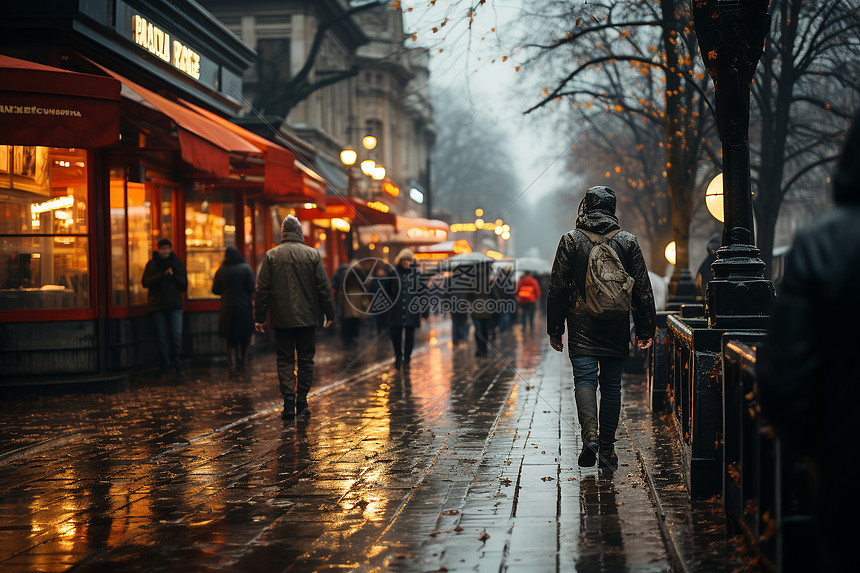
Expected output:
(543, 281)
(528, 293)
(234, 282)
(294, 291)
(166, 279)
(508, 296)
(705, 273)
(459, 305)
(598, 336)
(808, 374)
(483, 306)
(405, 287)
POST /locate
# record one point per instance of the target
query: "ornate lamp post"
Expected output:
(731, 35)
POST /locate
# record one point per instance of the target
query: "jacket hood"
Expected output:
(232, 256)
(291, 230)
(597, 211)
(404, 254)
(846, 181)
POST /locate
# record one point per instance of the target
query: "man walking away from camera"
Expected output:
(293, 289)
(599, 328)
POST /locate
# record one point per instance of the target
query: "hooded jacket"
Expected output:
(165, 290)
(293, 287)
(588, 336)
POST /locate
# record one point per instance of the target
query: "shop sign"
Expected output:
(379, 206)
(430, 256)
(157, 42)
(52, 205)
(425, 233)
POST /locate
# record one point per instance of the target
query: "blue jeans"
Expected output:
(168, 334)
(591, 371)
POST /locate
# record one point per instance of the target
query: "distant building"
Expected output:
(387, 98)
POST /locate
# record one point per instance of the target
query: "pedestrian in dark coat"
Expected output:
(483, 307)
(507, 289)
(234, 282)
(165, 278)
(405, 288)
(808, 372)
(294, 291)
(594, 344)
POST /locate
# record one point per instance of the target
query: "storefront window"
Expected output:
(139, 210)
(118, 260)
(210, 227)
(44, 256)
(166, 212)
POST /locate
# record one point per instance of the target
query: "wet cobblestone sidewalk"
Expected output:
(457, 464)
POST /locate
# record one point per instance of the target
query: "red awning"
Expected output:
(203, 143)
(41, 105)
(368, 216)
(285, 178)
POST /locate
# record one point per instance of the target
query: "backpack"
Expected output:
(608, 286)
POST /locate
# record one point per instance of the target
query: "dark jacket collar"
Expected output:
(292, 236)
(598, 221)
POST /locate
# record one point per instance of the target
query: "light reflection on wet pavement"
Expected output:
(458, 464)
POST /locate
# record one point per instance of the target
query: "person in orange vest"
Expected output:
(528, 293)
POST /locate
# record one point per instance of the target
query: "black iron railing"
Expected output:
(765, 489)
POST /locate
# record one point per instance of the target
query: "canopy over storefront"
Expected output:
(203, 143)
(284, 176)
(42, 105)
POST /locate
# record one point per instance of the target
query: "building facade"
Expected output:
(115, 133)
(383, 90)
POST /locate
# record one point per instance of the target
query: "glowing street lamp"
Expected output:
(368, 142)
(714, 198)
(368, 166)
(479, 212)
(378, 173)
(348, 156)
(670, 253)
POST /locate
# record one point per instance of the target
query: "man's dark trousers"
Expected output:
(292, 343)
(168, 334)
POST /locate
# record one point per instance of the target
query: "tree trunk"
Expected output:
(676, 165)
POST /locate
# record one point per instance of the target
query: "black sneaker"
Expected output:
(289, 412)
(607, 458)
(588, 455)
(302, 408)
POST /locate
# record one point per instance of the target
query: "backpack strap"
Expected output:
(598, 239)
